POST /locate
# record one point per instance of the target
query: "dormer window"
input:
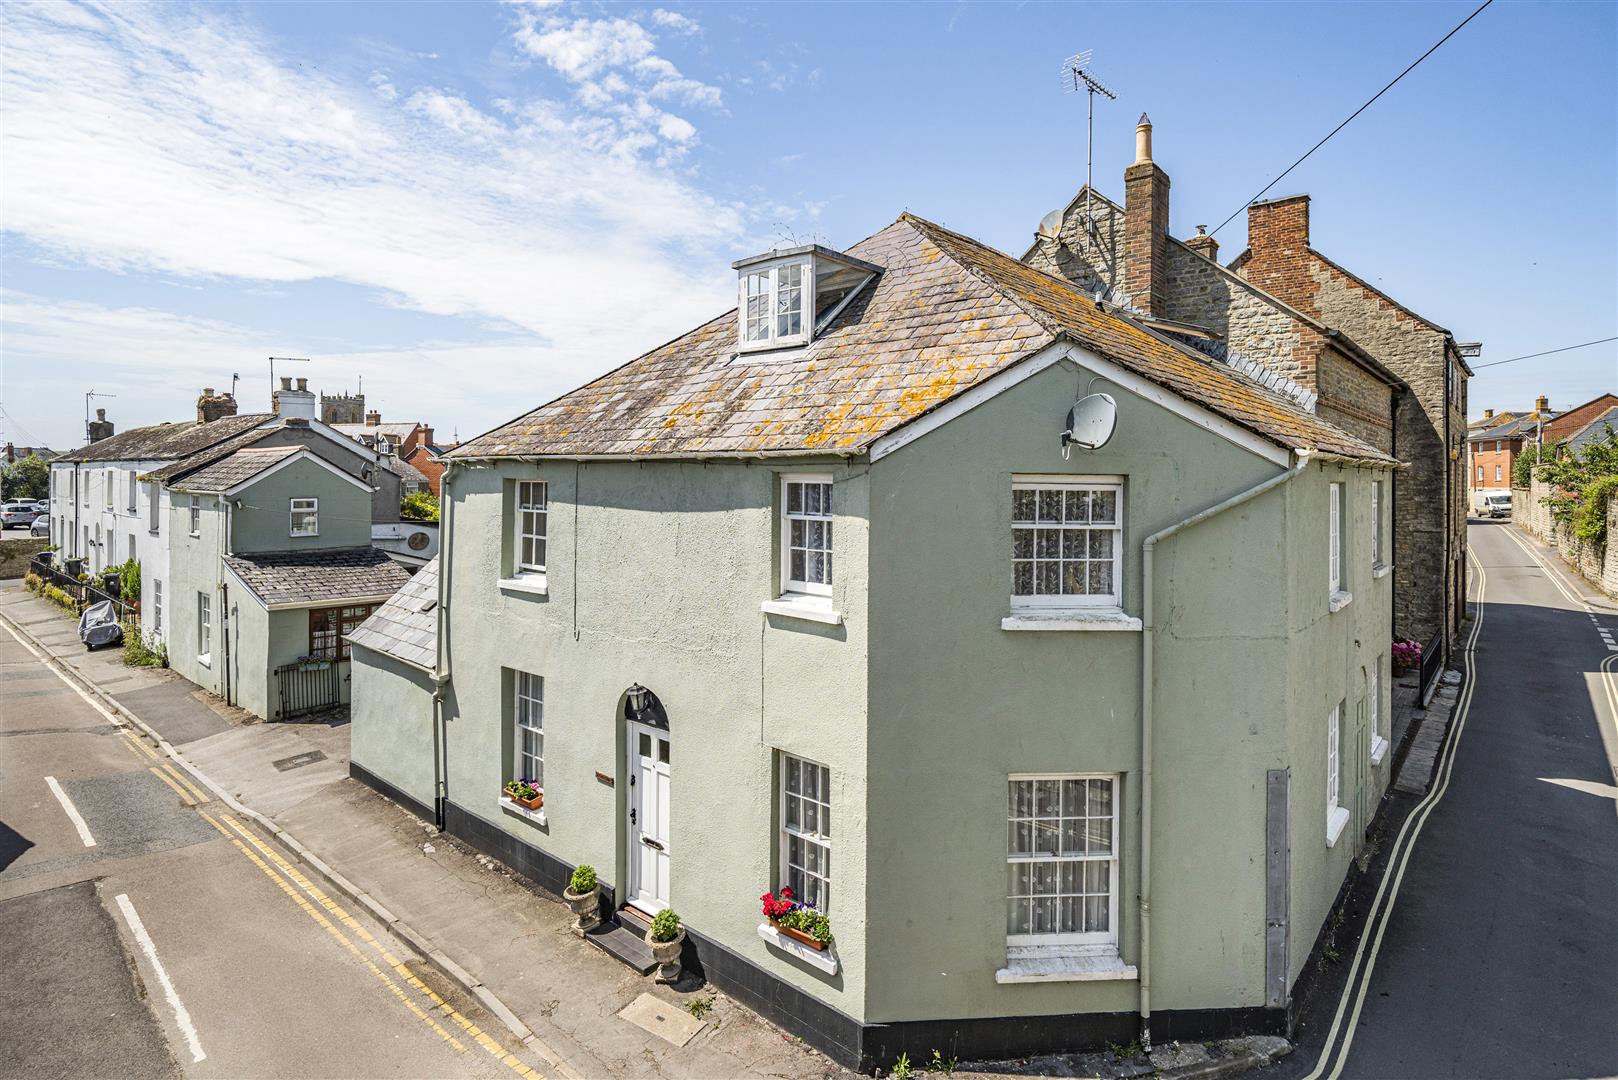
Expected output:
(787, 297)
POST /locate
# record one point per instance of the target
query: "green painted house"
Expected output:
(1072, 737)
(270, 565)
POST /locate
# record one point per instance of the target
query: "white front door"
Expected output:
(648, 818)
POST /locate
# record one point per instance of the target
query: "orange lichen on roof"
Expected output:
(945, 314)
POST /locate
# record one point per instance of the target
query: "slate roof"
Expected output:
(1594, 431)
(166, 442)
(334, 574)
(400, 627)
(229, 471)
(1524, 424)
(398, 465)
(946, 314)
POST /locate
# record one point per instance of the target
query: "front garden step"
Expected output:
(627, 946)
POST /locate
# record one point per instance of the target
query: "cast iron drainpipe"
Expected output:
(441, 664)
(1148, 631)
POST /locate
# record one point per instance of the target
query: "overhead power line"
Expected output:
(1356, 112)
(1547, 352)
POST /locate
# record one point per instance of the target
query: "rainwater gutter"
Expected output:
(1301, 460)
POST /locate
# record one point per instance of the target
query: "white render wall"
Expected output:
(115, 526)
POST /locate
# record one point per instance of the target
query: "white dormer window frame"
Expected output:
(775, 302)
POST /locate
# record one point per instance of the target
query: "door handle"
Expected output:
(649, 842)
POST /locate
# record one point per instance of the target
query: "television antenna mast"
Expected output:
(1077, 75)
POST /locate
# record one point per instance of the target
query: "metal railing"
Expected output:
(1432, 663)
(82, 592)
(304, 688)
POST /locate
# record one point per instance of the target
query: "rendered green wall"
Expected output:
(391, 733)
(263, 521)
(656, 576)
(194, 567)
(957, 704)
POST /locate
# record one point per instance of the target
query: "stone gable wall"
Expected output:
(1354, 399)
(1076, 257)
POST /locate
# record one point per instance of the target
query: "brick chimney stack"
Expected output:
(211, 406)
(1146, 226)
(426, 436)
(1488, 414)
(1204, 245)
(1542, 404)
(373, 418)
(1278, 246)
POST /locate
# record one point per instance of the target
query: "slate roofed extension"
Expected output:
(243, 465)
(406, 627)
(166, 442)
(335, 575)
(1594, 431)
(945, 314)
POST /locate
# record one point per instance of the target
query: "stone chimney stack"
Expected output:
(293, 404)
(211, 406)
(1146, 226)
(1204, 245)
(373, 418)
(100, 427)
(1542, 404)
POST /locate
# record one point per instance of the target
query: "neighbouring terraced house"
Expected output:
(1065, 741)
(1372, 366)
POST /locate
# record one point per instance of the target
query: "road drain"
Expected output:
(297, 761)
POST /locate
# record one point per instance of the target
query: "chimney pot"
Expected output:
(101, 414)
(303, 386)
(207, 391)
(286, 382)
(1143, 140)
(1204, 245)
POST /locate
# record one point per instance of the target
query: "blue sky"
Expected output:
(475, 207)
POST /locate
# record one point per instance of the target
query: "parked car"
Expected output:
(18, 513)
(1497, 506)
(41, 526)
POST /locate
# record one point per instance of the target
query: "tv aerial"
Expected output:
(1077, 75)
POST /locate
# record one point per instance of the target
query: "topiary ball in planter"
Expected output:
(583, 899)
(667, 940)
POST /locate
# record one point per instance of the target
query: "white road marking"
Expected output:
(181, 1017)
(71, 811)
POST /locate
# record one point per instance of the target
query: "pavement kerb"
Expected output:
(407, 936)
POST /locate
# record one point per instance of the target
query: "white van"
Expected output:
(1497, 505)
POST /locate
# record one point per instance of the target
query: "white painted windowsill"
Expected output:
(1380, 571)
(1379, 749)
(536, 816)
(1334, 824)
(206, 659)
(1100, 967)
(1339, 600)
(820, 958)
(797, 606)
(1092, 619)
(525, 583)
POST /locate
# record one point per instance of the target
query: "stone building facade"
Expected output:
(342, 408)
(1362, 360)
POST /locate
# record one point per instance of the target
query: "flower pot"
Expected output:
(586, 908)
(532, 804)
(667, 955)
(798, 935)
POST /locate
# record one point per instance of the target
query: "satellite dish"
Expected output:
(1090, 422)
(1050, 226)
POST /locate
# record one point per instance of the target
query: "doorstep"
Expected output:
(624, 945)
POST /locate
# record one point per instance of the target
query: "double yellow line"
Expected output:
(334, 920)
(190, 794)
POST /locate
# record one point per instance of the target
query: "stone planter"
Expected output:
(667, 955)
(586, 909)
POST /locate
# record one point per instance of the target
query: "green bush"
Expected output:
(419, 506)
(1581, 485)
(584, 879)
(666, 925)
(61, 599)
(1590, 519)
(136, 652)
(33, 583)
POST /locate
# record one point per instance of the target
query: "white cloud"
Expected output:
(598, 56)
(673, 20)
(176, 142)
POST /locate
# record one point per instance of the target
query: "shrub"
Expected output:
(419, 506)
(666, 925)
(1590, 519)
(33, 583)
(61, 599)
(136, 652)
(584, 879)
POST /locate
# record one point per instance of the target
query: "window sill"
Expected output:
(1339, 600)
(825, 959)
(525, 583)
(536, 816)
(1380, 571)
(796, 606)
(1379, 749)
(1092, 619)
(206, 660)
(1097, 967)
(1334, 824)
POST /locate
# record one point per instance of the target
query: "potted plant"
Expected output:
(583, 894)
(525, 794)
(667, 938)
(1406, 656)
(800, 922)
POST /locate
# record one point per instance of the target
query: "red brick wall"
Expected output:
(1278, 245)
(1569, 423)
(1146, 229)
(1485, 457)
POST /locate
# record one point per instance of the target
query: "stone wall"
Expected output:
(1353, 398)
(1203, 293)
(1087, 262)
(1599, 566)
